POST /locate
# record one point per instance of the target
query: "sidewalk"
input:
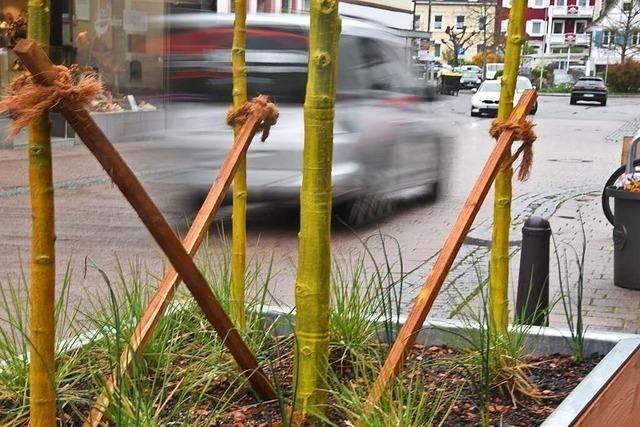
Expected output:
(605, 306)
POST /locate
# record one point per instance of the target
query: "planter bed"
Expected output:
(569, 392)
(592, 398)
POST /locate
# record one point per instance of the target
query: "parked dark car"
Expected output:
(589, 89)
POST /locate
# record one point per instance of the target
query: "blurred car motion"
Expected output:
(385, 142)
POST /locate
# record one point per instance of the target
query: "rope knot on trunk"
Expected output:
(26, 99)
(522, 131)
(237, 116)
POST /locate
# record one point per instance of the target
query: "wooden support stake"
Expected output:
(196, 234)
(37, 62)
(409, 332)
(626, 144)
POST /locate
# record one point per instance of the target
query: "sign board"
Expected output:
(424, 55)
(461, 52)
(134, 21)
(570, 38)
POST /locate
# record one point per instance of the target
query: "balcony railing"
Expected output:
(572, 11)
(563, 39)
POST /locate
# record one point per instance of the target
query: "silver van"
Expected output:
(386, 144)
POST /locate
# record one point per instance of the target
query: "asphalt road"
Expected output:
(575, 152)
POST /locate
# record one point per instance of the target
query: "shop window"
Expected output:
(135, 71)
(137, 43)
(264, 6)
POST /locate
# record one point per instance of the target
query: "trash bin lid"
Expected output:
(617, 193)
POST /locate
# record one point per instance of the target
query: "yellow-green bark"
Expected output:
(42, 396)
(499, 284)
(314, 253)
(239, 210)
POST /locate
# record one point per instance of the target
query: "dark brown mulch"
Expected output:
(553, 376)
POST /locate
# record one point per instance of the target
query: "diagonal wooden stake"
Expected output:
(409, 332)
(196, 234)
(165, 292)
(37, 62)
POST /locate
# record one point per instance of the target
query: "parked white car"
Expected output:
(485, 99)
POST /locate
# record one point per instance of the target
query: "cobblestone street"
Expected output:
(577, 149)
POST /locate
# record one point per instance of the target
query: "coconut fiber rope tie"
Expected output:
(239, 115)
(27, 100)
(523, 131)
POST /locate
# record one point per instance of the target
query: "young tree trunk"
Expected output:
(239, 209)
(499, 269)
(42, 396)
(314, 258)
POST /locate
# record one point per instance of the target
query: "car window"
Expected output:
(490, 86)
(349, 77)
(199, 63)
(382, 67)
(522, 84)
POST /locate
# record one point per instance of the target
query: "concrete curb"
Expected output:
(616, 348)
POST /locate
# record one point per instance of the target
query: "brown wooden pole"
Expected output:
(165, 292)
(37, 62)
(409, 332)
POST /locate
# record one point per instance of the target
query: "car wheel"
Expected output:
(365, 210)
(534, 110)
(604, 103)
(572, 101)
(429, 193)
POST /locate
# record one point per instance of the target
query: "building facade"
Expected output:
(557, 31)
(391, 13)
(118, 39)
(474, 16)
(616, 33)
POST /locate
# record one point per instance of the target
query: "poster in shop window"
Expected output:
(83, 10)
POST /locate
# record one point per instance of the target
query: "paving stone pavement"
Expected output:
(576, 218)
(572, 160)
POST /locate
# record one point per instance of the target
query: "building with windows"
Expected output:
(557, 31)
(474, 16)
(616, 34)
(119, 40)
(392, 13)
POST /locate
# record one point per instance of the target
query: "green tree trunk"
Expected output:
(42, 396)
(239, 210)
(314, 257)
(499, 271)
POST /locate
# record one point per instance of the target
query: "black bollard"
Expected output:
(532, 302)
